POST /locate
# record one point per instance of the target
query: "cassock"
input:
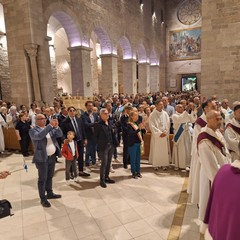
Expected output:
(212, 155)
(232, 136)
(2, 124)
(159, 122)
(222, 215)
(182, 140)
(193, 185)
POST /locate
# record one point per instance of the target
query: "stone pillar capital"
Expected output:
(154, 66)
(143, 63)
(130, 60)
(109, 55)
(80, 48)
(48, 39)
(31, 49)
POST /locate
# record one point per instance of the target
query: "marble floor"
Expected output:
(154, 207)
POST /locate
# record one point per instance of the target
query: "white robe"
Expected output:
(227, 112)
(211, 159)
(182, 149)
(233, 139)
(2, 124)
(193, 184)
(159, 122)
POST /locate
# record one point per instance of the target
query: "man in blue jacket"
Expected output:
(46, 149)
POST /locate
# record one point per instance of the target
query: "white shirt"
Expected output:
(72, 146)
(51, 148)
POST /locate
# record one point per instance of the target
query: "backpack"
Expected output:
(5, 208)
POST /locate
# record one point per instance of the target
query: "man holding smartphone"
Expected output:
(46, 149)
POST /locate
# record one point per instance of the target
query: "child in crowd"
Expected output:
(70, 152)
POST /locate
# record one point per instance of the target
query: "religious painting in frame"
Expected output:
(185, 44)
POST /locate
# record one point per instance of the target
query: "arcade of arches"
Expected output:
(83, 47)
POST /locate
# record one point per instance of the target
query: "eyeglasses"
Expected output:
(41, 119)
(72, 110)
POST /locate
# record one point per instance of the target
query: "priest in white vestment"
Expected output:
(213, 153)
(159, 124)
(2, 124)
(232, 134)
(193, 185)
(182, 140)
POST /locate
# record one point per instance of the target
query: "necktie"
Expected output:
(75, 126)
(91, 118)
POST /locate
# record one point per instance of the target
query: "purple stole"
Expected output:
(236, 129)
(213, 140)
(201, 122)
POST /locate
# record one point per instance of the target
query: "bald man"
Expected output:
(213, 153)
(193, 184)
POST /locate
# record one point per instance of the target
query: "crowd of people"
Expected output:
(206, 134)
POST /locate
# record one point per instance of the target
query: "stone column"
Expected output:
(31, 50)
(81, 71)
(154, 78)
(143, 78)
(109, 82)
(129, 76)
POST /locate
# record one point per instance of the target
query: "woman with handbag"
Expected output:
(135, 140)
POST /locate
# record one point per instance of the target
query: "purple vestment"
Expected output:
(223, 210)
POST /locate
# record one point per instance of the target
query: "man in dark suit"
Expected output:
(106, 141)
(124, 121)
(61, 117)
(89, 118)
(112, 118)
(46, 149)
(75, 124)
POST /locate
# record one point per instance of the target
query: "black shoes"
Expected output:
(53, 196)
(139, 175)
(109, 180)
(134, 175)
(125, 166)
(45, 203)
(103, 184)
(84, 174)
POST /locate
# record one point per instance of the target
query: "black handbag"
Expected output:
(5, 208)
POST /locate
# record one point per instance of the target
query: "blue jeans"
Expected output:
(134, 152)
(91, 150)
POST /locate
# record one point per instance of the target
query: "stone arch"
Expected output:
(154, 60)
(126, 47)
(2, 21)
(105, 42)
(141, 53)
(68, 20)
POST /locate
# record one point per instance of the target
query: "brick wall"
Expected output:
(221, 49)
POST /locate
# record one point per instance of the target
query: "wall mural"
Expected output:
(185, 44)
